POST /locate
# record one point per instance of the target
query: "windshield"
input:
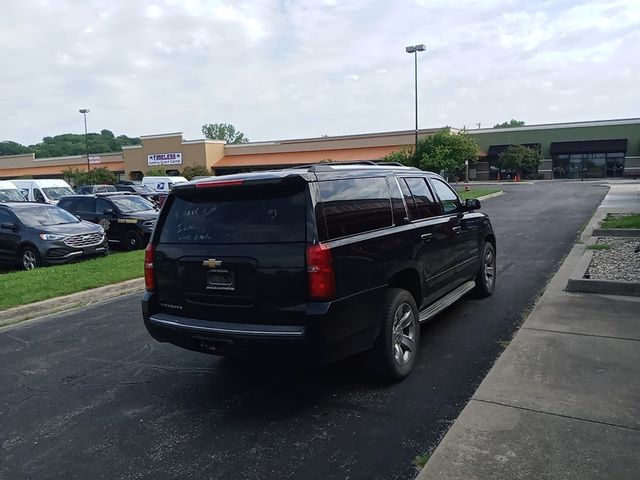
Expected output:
(43, 215)
(143, 189)
(131, 204)
(11, 195)
(56, 193)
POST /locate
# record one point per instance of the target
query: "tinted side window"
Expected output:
(101, 204)
(87, 205)
(66, 203)
(6, 217)
(448, 198)
(425, 203)
(353, 206)
(408, 198)
(37, 195)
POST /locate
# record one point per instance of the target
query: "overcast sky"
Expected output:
(281, 69)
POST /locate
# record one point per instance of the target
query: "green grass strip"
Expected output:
(477, 192)
(24, 287)
(622, 221)
(599, 246)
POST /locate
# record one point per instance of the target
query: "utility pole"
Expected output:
(84, 112)
(415, 49)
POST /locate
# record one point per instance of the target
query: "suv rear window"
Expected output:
(356, 205)
(256, 214)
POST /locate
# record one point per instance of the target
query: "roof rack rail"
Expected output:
(391, 164)
(316, 167)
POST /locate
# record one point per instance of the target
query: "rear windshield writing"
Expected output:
(355, 205)
(241, 216)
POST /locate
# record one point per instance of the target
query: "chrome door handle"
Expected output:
(456, 229)
(426, 236)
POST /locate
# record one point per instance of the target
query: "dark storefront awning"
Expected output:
(589, 146)
(495, 150)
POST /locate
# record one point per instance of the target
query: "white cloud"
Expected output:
(293, 68)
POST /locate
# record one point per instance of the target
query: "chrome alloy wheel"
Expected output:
(403, 336)
(489, 268)
(29, 260)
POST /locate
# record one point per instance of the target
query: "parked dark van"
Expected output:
(326, 261)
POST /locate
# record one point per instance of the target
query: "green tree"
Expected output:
(191, 171)
(74, 144)
(443, 151)
(223, 131)
(8, 147)
(520, 159)
(97, 176)
(511, 123)
(156, 172)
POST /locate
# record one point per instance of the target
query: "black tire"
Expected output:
(29, 258)
(486, 276)
(387, 363)
(133, 240)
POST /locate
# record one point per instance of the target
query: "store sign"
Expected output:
(94, 159)
(164, 159)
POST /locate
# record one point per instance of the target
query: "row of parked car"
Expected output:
(44, 222)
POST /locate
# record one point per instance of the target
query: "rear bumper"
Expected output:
(166, 320)
(323, 332)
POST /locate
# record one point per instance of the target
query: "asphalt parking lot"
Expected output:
(88, 394)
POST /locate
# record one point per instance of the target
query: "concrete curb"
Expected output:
(577, 281)
(59, 304)
(491, 195)
(605, 287)
(616, 232)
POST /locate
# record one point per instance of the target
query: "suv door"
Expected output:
(434, 238)
(86, 209)
(107, 214)
(9, 239)
(463, 225)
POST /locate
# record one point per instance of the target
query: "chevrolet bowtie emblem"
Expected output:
(212, 263)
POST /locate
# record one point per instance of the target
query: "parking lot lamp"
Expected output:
(84, 112)
(415, 49)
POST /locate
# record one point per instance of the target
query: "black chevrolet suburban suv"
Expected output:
(325, 261)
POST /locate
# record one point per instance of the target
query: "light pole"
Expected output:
(415, 49)
(84, 112)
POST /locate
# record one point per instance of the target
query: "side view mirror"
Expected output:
(472, 204)
(8, 226)
(108, 211)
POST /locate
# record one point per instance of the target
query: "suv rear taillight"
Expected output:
(322, 283)
(149, 283)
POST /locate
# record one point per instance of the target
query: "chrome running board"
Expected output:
(446, 301)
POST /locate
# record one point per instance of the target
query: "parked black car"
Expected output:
(127, 219)
(144, 191)
(34, 235)
(91, 189)
(327, 260)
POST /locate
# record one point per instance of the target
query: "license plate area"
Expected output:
(221, 279)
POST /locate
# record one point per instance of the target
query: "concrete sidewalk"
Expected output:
(563, 400)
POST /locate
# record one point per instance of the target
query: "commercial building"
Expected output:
(595, 149)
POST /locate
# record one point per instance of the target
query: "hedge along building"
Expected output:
(606, 148)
